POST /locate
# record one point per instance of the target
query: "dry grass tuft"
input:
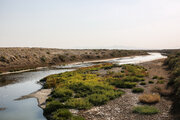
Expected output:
(149, 98)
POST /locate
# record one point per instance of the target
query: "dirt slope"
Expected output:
(12, 59)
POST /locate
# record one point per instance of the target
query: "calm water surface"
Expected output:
(13, 86)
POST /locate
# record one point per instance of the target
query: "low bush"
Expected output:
(3, 59)
(50, 99)
(147, 110)
(52, 106)
(77, 118)
(43, 59)
(151, 82)
(78, 103)
(62, 114)
(113, 94)
(62, 94)
(122, 84)
(160, 82)
(149, 98)
(160, 78)
(155, 77)
(143, 83)
(98, 99)
(137, 90)
(133, 79)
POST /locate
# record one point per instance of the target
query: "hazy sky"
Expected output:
(147, 24)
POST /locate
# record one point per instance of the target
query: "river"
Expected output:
(13, 86)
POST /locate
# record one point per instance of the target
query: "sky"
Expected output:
(124, 24)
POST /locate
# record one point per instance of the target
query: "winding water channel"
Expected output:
(13, 86)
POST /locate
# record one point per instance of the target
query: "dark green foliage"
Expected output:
(155, 77)
(62, 114)
(62, 58)
(133, 79)
(147, 110)
(81, 90)
(3, 59)
(62, 93)
(78, 103)
(160, 78)
(50, 99)
(151, 82)
(173, 63)
(137, 90)
(143, 83)
(113, 94)
(53, 106)
(122, 84)
(43, 59)
(98, 99)
(160, 82)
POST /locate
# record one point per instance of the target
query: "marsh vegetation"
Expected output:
(89, 86)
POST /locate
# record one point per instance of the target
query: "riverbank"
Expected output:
(122, 107)
(22, 59)
(72, 63)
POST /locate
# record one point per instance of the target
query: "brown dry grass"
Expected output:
(149, 98)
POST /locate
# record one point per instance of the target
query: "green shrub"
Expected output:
(137, 90)
(160, 78)
(52, 106)
(50, 99)
(155, 77)
(98, 99)
(62, 93)
(147, 110)
(122, 84)
(143, 83)
(43, 59)
(113, 94)
(62, 114)
(81, 89)
(78, 103)
(3, 59)
(62, 58)
(151, 82)
(77, 118)
(160, 82)
(133, 79)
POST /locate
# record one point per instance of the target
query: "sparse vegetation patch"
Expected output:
(147, 110)
(149, 98)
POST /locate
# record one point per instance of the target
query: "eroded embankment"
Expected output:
(14, 59)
